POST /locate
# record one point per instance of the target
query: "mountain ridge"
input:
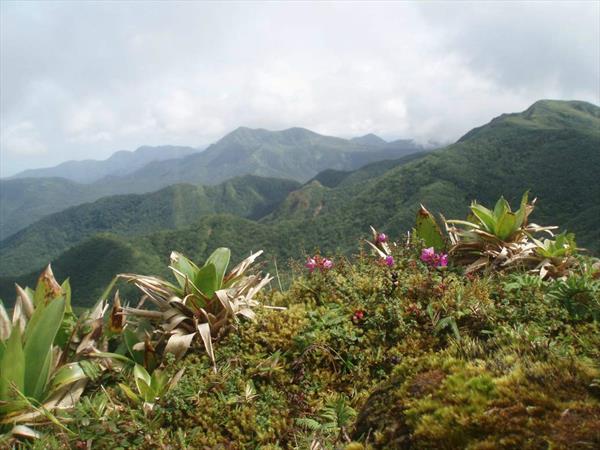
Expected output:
(120, 162)
(295, 153)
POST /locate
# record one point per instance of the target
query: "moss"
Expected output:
(461, 404)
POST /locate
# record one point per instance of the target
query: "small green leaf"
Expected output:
(146, 392)
(158, 382)
(142, 378)
(129, 393)
(67, 374)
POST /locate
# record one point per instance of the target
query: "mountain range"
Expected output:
(119, 164)
(551, 149)
(296, 154)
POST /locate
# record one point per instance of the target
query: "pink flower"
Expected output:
(381, 237)
(443, 260)
(427, 255)
(316, 262)
(389, 260)
(311, 264)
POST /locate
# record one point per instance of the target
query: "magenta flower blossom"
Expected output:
(316, 262)
(389, 260)
(381, 238)
(443, 260)
(429, 256)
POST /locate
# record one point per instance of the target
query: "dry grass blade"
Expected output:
(241, 268)
(178, 345)
(205, 335)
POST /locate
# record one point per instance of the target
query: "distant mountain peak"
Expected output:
(369, 139)
(254, 137)
(545, 114)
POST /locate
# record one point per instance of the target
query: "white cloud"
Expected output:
(92, 78)
(22, 139)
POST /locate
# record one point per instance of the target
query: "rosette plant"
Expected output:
(499, 239)
(150, 387)
(43, 351)
(200, 306)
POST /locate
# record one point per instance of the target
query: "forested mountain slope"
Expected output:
(174, 207)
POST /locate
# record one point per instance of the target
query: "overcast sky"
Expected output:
(82, 80)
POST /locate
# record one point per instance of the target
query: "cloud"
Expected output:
(95, 77)
(22, 139)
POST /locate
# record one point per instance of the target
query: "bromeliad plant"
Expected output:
(499, 239)
(554, 257)
(203, 303)
(39, 367)
(150, 388)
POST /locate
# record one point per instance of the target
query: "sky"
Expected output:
(82, 80)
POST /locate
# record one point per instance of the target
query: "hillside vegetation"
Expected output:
(177, 206)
